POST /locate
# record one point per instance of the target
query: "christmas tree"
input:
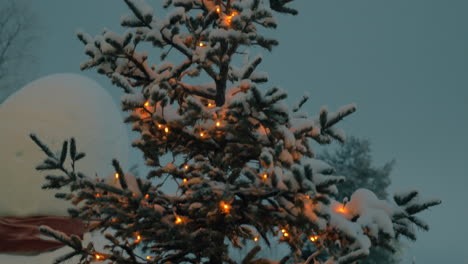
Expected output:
(241, 158)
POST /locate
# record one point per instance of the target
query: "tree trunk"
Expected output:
(220, 93)
(218, 249)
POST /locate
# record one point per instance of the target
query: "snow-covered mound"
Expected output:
(55, 108)
(49, 257)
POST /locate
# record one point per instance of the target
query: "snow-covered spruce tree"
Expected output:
(241, 158)
(353, 159)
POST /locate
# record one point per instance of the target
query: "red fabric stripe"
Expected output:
(21, 234)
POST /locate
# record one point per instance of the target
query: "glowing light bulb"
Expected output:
(148, 257)
(218, 124)
(138, 239)
(265, 176)
(98, 195)
(225, 207)
(210, 105)
(159, 125)
(218, 9)
(98, 257)
(202, 134)
(147, 104)
(283, 230)
(201, 44)
(185, 180)
(146, 196)
(166, 129)
(341, 209)
(255, 239)
(186, 167)
(308, 196)
(229, 18)
(117, 176)
(286, 234)
(313, 238)
(178, 220)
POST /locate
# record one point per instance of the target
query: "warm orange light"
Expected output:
(148, 257)
(98, 195)
(283, 230)
(146, 196)
(138, 239)
(286, 234)
(159, 125)
(210, 105)
(147, 104)
(116, 175)
(229, 18)
(98, 257)
(186, 167)
(166, 129)
(218, 9)
(185, 180)
(202, 134)
(313, 238)
(255, 239)
(308, 196)
(341, 209)
(178, 220)
(201, 44)
(218, 123)
(265, 176)
(225, 207)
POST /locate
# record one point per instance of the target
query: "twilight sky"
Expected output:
(403, 62)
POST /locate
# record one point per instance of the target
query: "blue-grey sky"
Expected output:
(403, 62)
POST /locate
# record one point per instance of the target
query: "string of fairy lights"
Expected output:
(224, 206)
(203, 134)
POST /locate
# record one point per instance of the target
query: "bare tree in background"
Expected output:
(17, 36)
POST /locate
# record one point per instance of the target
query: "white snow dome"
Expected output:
(55, 108)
